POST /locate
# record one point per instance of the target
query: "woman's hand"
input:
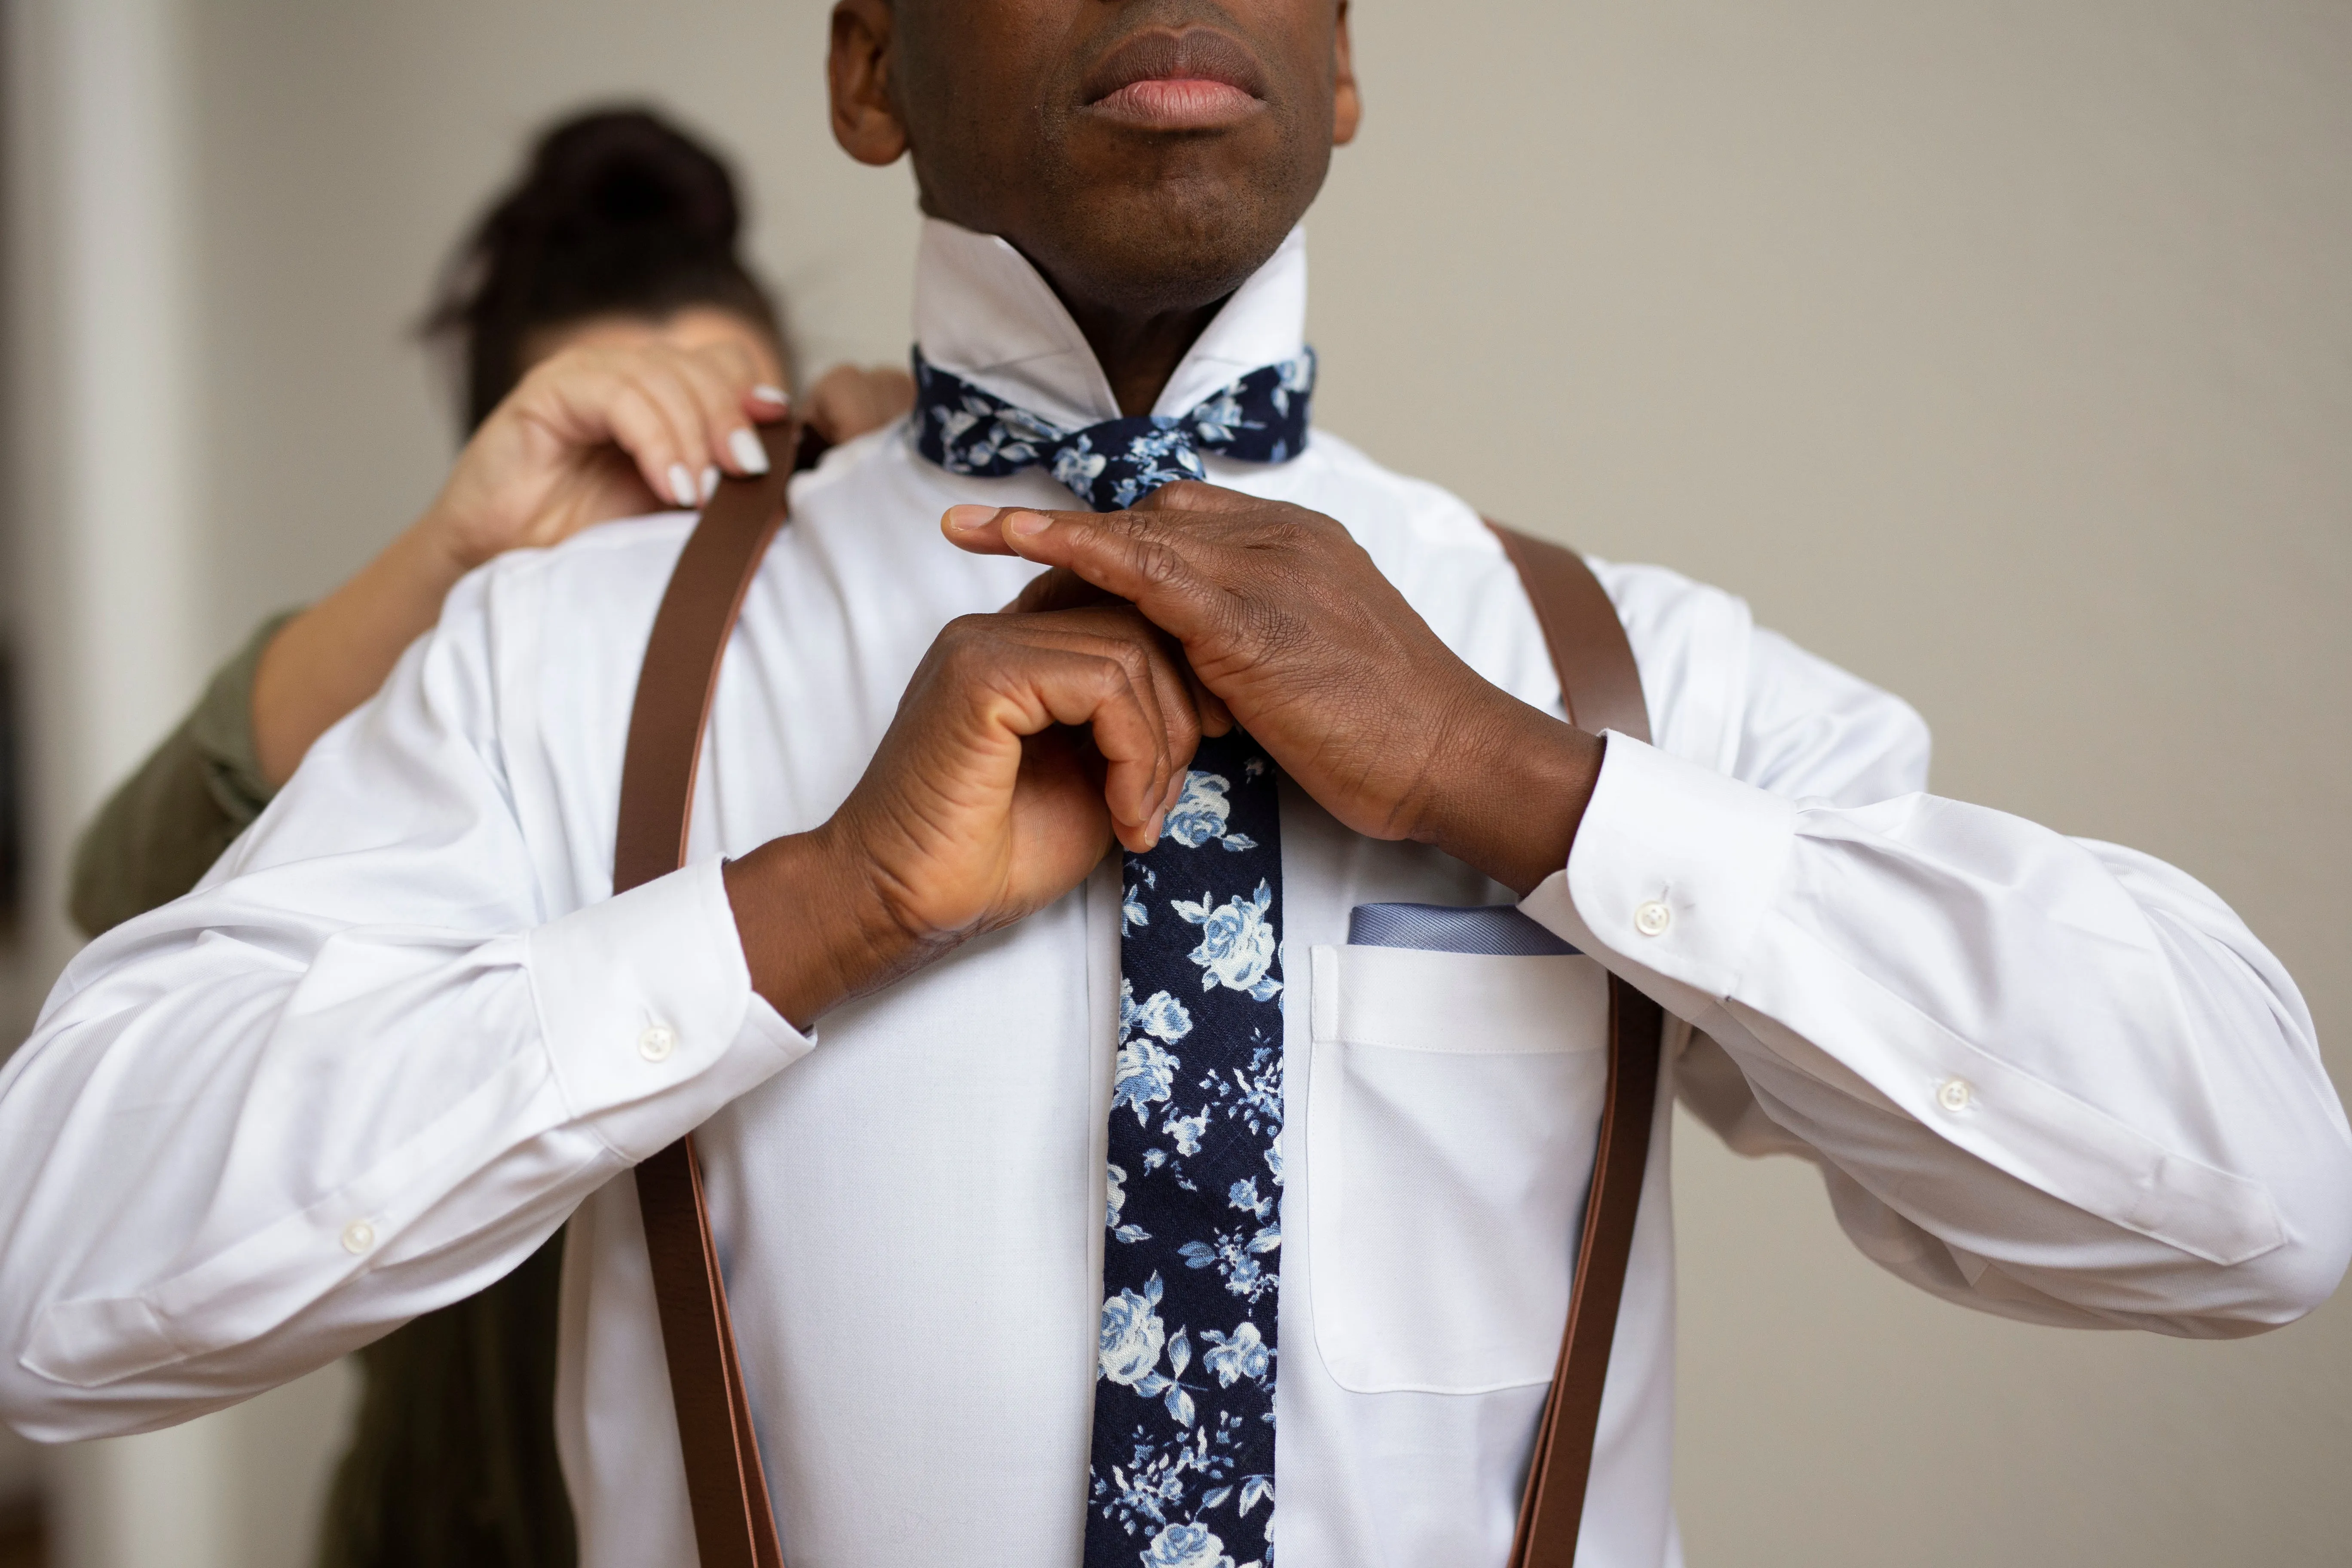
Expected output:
(631, 417)
(849, 400)
(604, 430)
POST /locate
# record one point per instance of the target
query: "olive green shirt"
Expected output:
(452, 1462)
(167, 823)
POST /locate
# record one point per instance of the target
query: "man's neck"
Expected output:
(1138, 353)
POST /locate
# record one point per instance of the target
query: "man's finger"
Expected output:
(1012, 530)
(1095, 692)
(1133, 555)
(1154, 663)
(1158, 693)
(981, 529)
(1060, 589)
(1063, 589)
(978, 529)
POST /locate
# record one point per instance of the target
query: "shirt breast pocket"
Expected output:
(1454, 1103)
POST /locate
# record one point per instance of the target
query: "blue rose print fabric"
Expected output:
(1182, 1469)
(1261, 418)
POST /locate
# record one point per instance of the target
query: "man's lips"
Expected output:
(1184, 104)
(1193, 81)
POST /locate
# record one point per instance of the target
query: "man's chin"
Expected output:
(1163, 257)
(1183, 238)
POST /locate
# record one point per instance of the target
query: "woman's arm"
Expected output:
(300, 672)
(549, 461)
(167, 823)
(542, 467)
(590, 434)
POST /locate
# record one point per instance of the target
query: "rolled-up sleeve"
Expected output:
(360, 1072)
(2045, 1075)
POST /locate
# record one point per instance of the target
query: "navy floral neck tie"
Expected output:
(1261, 418)
(1181, 1473)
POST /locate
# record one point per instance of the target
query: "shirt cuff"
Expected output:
(1673, 870)
(646, 1007)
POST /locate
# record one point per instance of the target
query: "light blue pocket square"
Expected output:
(1497, 929)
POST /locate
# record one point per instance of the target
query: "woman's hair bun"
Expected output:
(618, 213)
(623, 177)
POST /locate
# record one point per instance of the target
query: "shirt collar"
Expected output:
(983, 313)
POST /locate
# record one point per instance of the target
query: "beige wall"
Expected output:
(2002, 353)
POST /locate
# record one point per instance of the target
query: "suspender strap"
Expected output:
(733, 1525)
(1602, 690)
(1598, 680)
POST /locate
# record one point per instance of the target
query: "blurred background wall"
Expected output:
(2002, 351)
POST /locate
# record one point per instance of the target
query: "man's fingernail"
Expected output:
(681, 486)
(709, 481)
(749, 455)
(774, 394)
(965, 519)
(1029, 524)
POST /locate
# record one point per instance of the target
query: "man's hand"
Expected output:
(1284, 618)
(1023, 745)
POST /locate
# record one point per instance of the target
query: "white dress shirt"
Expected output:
(402, 1031)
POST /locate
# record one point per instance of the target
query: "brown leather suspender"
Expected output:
(1602, 688)
(733, 1525)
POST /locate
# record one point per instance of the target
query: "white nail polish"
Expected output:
(681, 486)
(750, 456)
(774, 394)
(709, 481)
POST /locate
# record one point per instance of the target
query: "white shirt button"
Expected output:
(1653, 918)
(657, 1042)
(1955, 1094)
(358, 1236)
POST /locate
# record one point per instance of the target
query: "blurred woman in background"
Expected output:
(616, 352)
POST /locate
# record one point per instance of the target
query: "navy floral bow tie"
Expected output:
(1261, 418)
